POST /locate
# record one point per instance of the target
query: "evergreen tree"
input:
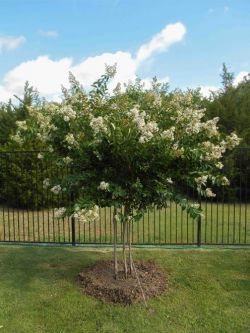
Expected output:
(227, 77)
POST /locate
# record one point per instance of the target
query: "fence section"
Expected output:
(27, 209)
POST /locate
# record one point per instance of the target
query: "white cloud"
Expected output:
(240, 77)
(90, 69)
(10, 43)
(171, 34)
(207, 91)
(50, 33)
(47, 75)
(43, 73)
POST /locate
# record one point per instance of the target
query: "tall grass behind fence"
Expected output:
(27, 209)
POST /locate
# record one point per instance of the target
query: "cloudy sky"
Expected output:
(183, 42)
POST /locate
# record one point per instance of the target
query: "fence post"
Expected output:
(199, 226)
(73, 230)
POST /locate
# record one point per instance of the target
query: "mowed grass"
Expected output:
(222, 223)
(209, 291)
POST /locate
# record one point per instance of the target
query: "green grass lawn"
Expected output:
(209, 291)
(222, 223)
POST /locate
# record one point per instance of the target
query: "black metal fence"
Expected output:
(27, 209)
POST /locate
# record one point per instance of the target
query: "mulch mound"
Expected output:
(99, 281)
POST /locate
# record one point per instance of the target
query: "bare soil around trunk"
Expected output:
(98, 281)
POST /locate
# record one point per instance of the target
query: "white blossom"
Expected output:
(67, 160)
(111, 69)
(211, 127)
(59, 212)
(168, 134)
(103, 186)
(17, 138)
(117, 218)
(40, 156)
(232, 141)
(50, 149)
(85, 216)
(70, 139)
(219, 165)
(68, 113)
(225, 181)
(169, 180)
(46, 183)
(202, 180)
(22, 125)
(147, 129)
(157, 100)
(195, 205)
(56, 189)
(209, 193)
(98, 126)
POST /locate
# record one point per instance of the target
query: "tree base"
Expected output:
(99, 281)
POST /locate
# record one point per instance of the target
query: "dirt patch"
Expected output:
(99, 281)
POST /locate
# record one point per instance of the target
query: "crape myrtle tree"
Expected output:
(131, 150)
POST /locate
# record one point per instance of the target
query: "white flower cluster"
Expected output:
(168, 134)
(117, 218)
(67, 160)
(178, 151)
(225, 181)
(98, 125)
(157, 100)
(111, 69)
(147, 129)
(56, 189)
(195, 125)
(46, 183)
(219, 165)
(195, 205)
(59, 212)
(232, 141)
(209, 193)
(202, 180)
(169, 180)
(190, 118)
(43, 119)
(103, 186)
(45, 123)
(85, 215)
(68, 113)
(40, 156)
(70, 139)
(212, 151)
(17, 138)
(51, 107)
(210, 127)
(22, 125)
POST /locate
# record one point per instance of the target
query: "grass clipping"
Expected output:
(99, 281)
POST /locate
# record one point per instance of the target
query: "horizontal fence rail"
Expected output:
(27, 209)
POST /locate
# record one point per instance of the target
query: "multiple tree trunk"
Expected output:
(126, 243)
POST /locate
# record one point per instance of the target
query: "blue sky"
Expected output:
(41, 40)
